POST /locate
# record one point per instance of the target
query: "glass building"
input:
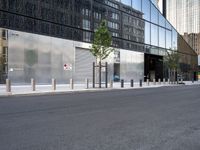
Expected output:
(184, 15)
(39, 36)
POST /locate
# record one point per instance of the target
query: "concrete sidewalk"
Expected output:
(65, 88)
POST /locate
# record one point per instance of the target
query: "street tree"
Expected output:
(172, 62)
(101, 46)
(2, 61)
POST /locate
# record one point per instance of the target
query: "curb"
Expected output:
(43, 93)
(74, 91)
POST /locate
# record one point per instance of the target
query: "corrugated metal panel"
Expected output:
(83, 65)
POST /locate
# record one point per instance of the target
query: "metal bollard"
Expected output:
(33, 84)
(164, 81)
(140, 83)
(159, 82)
(87, 83)
(168, 81)
(122, 83)
(148, 82)
(181, 80)
(111, 83)
(71, 84)
(53, 84)
(132, 83)
(154, 81)
(8, 85)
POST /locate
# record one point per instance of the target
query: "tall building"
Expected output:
(44, 35)
(184, 15)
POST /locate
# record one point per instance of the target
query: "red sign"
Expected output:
(67, 66)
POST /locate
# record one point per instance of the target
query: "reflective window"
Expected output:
(154, 14)
(115, 16)
(86, 36)
(111, 4)
(113, 25)
(168, 26)
(161, 37)
(162, 52)
(154, 50)
(137, 4)
(147, 33)
(174, 39)
(161, 20)
(126, 2)
(115, 34)
(86, 24)
(97, 15)
(168, 39)
(146, 9)
(86, 12)
(154, 35)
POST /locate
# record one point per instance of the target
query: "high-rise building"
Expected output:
(44, 35)
(184, 15)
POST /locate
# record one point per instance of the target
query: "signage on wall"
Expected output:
(67, 67)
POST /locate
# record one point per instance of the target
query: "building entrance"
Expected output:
(153, 67)
(116, 76)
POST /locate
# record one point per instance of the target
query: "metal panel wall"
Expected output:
(39, 57)
(83, 65)
(132, 65)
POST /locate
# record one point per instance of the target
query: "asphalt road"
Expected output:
(166, 118)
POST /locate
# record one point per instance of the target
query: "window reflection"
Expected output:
(146, 9)
(154, 35)
(168, 26)
(174, 39)
(168, 39)
(154, 14)
(154, 50)
(161, 37)
(147, 32)
(161, 20)
(126, 2)
(137, 4)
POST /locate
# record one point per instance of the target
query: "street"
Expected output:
(165, 118)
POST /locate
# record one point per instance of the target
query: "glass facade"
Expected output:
(135, 25)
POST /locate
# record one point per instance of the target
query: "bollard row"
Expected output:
(33, 83)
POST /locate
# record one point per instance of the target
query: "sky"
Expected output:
(160, 3)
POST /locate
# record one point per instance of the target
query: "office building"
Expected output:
(184, 15)
(43, 35)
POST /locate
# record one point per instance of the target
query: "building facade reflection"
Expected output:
(53, 33)
(185, 17)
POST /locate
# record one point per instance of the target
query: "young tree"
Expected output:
(172, 62)
(2, 61)
(101, 46)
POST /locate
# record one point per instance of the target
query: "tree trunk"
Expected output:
(169, 74)
(100, 74)
(174, 76)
